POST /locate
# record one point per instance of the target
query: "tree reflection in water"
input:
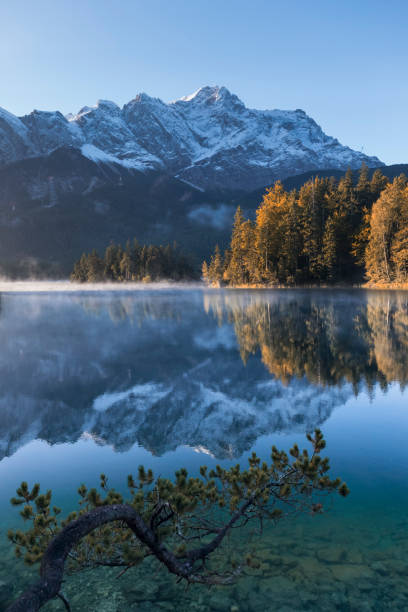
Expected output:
(329, 339)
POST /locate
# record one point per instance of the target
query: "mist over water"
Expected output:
(65, 286)
(101, 380)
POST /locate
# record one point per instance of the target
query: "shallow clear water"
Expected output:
(102, 382)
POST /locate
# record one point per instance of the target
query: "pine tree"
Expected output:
(235, 273)
(377, 185)
(292, 244)
(330, 250)
(313, 203)
(205, 274)
(216, 268)
(126, 266)
(80, 271)
(363, 191)
(95, 265)
(268, 233)
(366, 193)
(113, 256)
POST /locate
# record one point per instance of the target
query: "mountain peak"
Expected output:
(208, 94)
(107, 105)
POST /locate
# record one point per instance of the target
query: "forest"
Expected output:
(134, 262)
(326, 232)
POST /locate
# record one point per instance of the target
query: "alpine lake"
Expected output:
(102, 381)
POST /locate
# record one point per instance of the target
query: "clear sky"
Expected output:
(344, 62)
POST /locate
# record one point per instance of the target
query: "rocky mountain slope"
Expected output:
(210, 139)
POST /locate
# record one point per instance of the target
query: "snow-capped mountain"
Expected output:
(209, 139)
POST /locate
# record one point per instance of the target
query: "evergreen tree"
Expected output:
(205, 273)
(80, 271)
(268, 234)
(126, 267)
(313, 203)
(367, 192)
(330, 250)
(216, 268)
(377, 185)
(291, 244)
(235, 273)
(113, 256)
(363, 193)
(95, 268)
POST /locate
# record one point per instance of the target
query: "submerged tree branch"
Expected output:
(53, 561)
(166, 511)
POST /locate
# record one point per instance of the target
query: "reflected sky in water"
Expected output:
(95, 383)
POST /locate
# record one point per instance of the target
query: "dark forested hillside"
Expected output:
(54, 208)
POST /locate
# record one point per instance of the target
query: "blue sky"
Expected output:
(343, 62)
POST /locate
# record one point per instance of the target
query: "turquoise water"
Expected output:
(102, 382)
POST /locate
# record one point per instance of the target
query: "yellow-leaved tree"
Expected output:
(387, 250)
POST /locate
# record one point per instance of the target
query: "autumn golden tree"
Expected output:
(326, 232)
(387, 250)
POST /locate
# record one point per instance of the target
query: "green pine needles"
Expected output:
(186, 522)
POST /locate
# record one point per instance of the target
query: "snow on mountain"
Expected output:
(15, 142)
(209, 139)
(224, 423)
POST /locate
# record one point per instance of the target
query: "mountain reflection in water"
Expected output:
(212, 370)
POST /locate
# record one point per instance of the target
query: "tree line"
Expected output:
(327, 231)
(134, 262)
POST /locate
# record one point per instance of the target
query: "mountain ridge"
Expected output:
(209, 139)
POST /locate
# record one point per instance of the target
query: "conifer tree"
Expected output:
(205, 273)
(330, 250)
(313, 201)
(216, 268)
(367, 192)
(235, 273)
(269, 217)
(95, 268)
(125, 266)
(291, 242)
(377, 185)
(80, 271)
(363, 191)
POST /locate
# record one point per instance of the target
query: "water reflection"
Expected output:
(213, 371)
(327, 338)
(221, 373)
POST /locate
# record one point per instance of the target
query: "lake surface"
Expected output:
(104, 381)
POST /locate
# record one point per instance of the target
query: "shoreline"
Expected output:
(66, 286)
